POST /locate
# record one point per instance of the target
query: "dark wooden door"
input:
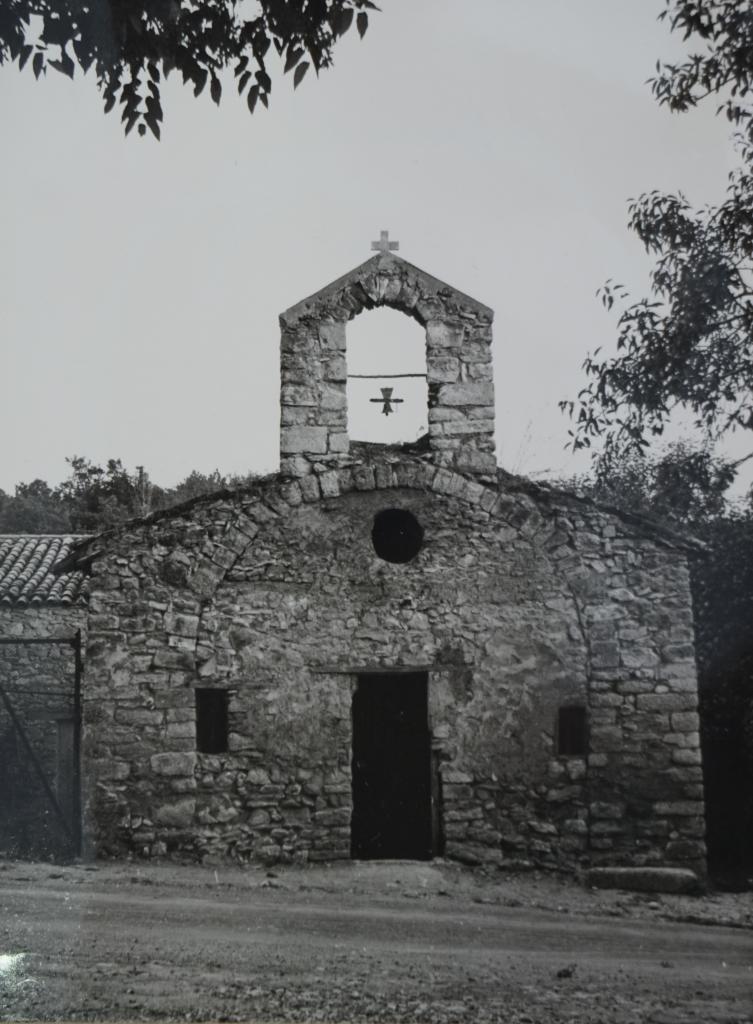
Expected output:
(391, 768)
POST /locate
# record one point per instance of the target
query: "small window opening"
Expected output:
(211, 721)
(572, 731)
(397, 535)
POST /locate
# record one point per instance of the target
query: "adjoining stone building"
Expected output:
(391, 652)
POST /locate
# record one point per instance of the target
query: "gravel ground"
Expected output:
(390, 941)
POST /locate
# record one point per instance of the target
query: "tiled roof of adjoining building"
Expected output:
(26, 576)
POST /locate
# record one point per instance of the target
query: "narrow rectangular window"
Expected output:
(211, 721)
(572, 731)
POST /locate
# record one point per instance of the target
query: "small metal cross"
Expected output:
(387, 400)
(384, 244)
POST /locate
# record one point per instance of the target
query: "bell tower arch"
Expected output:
(314, 372)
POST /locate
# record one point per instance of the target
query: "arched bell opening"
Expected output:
(393, 382)
(387, 392)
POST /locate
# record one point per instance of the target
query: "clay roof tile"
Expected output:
(26, 576)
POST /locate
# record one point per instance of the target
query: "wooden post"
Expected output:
(77, 816)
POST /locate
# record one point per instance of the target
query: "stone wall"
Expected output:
(314, 417)
(645, 778)
(38, 680)
(521, 600)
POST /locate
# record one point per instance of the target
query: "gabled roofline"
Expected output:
(382, 262)
(649, 527)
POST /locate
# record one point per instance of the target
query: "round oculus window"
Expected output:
(397, 535)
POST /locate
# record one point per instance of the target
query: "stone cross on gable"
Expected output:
(384, 244)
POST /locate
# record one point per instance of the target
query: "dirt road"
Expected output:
(390, 942)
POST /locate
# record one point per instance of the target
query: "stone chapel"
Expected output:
(382, 652)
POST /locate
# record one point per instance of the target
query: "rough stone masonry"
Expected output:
(522, 605)
(521, 601)
(314, 433)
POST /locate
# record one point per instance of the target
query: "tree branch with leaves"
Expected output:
(689, 343)
(133, 44)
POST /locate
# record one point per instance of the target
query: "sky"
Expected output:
(497, 140)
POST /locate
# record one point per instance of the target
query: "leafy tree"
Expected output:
(196, 484)
(95, 498)
(685, 485)
(132, 44)
(690, 342)
(34, 508)
(99, 497)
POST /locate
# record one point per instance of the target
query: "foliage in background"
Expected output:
(35, 508)
(689, 343)
(685, 485)
(94, 498)
(132, 44)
